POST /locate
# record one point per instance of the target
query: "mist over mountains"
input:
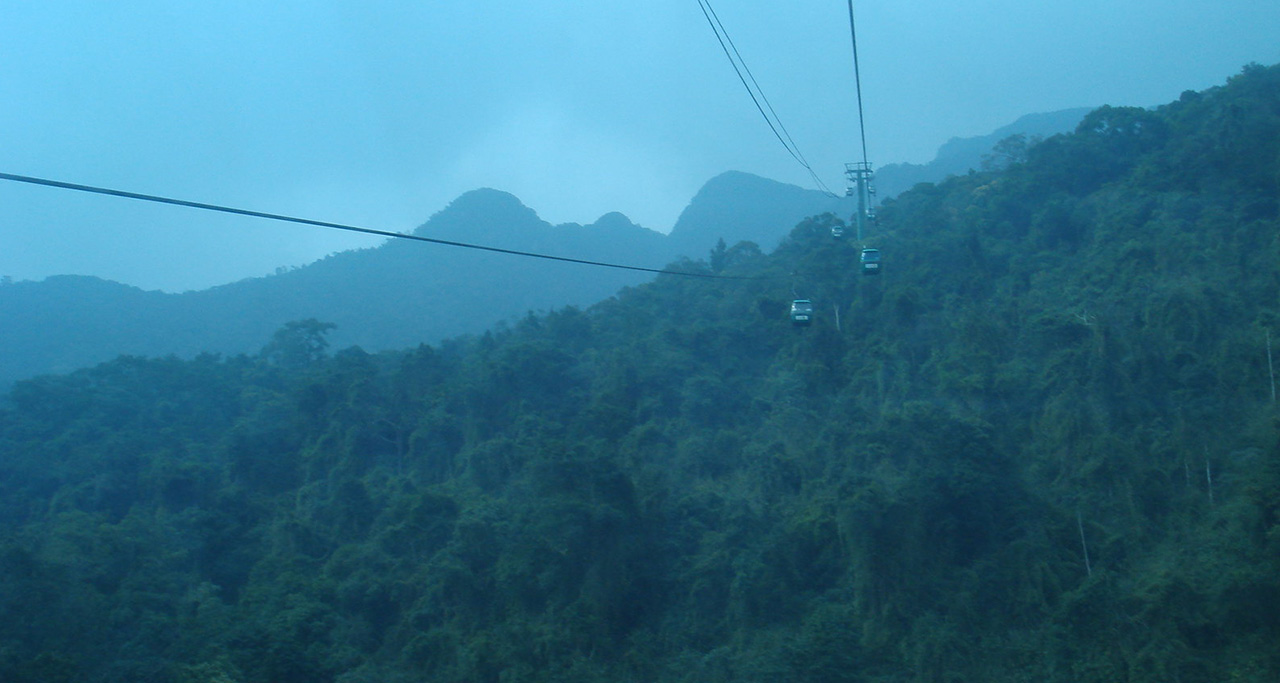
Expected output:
(404, 293)
(959, 155)
(399, 294)
(1043, 445)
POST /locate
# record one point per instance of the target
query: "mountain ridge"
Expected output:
(426, 293)
(958, 155)
(397, 294)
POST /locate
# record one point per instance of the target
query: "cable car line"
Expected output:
(739, 66)
(860, 174)
(857, 79)
(735, 60)
(351, 228)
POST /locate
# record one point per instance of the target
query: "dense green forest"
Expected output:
(1042, 446)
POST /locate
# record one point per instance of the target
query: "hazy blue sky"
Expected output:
(379, 113)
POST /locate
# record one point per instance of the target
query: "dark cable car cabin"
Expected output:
(870, 261)
(801, 312)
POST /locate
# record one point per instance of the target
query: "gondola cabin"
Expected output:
(837, 231)
(870, 261)
(801, 312)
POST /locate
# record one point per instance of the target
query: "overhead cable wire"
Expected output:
(857, 79)
(350, 228)
(737, 59)
(756, 93)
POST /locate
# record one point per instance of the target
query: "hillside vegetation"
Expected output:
(959, 155)
(1042, 446)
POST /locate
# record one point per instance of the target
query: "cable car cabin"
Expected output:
(837, 231)
(870, 261)
(801, 312)
(871, 214)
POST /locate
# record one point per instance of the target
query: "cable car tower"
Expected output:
(860, 176)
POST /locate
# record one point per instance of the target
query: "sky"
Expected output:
(379, 113)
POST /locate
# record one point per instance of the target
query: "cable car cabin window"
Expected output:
(870, 261)
(801, 312)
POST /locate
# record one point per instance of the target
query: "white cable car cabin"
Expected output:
(801, 312)
(870, 261)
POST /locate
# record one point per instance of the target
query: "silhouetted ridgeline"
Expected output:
(960, 155)
(399, 294)
(1041, 446)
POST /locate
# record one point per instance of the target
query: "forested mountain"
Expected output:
(399, 294)
(1041, 446)
(959, 155)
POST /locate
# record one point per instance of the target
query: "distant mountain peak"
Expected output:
(486, 197)
(737, 180)
(958, 155)
(614, 221)
(737, 206)
(482, 211)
